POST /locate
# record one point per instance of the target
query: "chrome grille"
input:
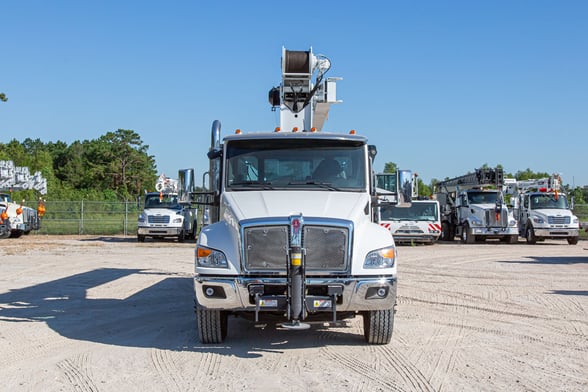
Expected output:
(266, 248)
(158, 218)
(326, 247)
(491, 220)
(558, 220)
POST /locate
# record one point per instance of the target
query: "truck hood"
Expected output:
(161, 211)
(320, 204)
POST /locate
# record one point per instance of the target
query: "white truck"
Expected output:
(293, 233)
(473, 208)
(419, 223)
(542, 210)
(17, 219)
(168, 213)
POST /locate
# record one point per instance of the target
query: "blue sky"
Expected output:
(441, 87)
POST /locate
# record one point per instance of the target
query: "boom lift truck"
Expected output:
(293, 233)
(542, 210)
(17, 219)
(169, 211)
(472, 211)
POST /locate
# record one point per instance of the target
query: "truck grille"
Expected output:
(158, 218)
(558, 220)
(491, 220)
(266, 248)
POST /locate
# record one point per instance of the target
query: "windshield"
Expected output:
(296, 164)
(482, 197)
(418, 211)
(165, 201)
(545, 201)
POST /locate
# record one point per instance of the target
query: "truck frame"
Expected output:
(292, 234)
(473, 207)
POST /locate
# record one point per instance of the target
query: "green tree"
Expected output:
(390, 167)
(3, 97)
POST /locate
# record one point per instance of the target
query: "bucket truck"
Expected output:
(293, 234)
(473, 207)
(542, 210)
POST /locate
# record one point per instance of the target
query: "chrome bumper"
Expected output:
(494, 231)
(159, 231)
(358, 294)
(557, 232)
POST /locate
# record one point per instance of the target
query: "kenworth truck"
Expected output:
(168, 213)
(542, 210)
(293, 234)
(473, 207)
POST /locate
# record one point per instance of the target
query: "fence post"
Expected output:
(126, 217)
(82, 217)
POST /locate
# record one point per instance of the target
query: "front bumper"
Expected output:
(415, 238)
(556, 232)
(493, 231)
(233, 293)
(159, 231)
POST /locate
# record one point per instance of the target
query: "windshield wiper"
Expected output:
(252, 184)
(326, 185)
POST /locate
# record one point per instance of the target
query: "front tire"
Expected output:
(572, 240)
(378, 326)
(212, 325)
(140, 238)
(466, 237)
(530, 235)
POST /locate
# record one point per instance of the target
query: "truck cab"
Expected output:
(544, 215)
(20, 219)
(163, 216)
(419, 223)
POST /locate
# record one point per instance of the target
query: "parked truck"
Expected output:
(169, 212)
(473, 207)
(542, 210)
(17, 219)
(293, 234)
(420, 223)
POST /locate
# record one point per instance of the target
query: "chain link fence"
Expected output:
(109, 218)
(89, 217)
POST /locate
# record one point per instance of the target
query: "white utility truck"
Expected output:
(17, 219)
(168, 213)
(542, 210)
(420, 223)
(293, 235)
(473, 207)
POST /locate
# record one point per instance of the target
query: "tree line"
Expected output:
(114, 167)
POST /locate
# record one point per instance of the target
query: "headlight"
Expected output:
(512, 222)
(178, 220)
(142, 218)
(476, 222)
(537, 219)
(381, 258)
(211, 258)
(575, 219)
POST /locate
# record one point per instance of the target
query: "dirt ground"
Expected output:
(110, 314)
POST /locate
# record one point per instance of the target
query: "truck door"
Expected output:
(524, 210)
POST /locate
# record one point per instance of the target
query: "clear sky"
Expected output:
(441, 87)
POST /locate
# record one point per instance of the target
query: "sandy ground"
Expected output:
(109, 314)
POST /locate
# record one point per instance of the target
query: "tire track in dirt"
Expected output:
(167, 369)
(77, 373)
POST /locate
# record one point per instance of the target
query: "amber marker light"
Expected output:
(387, 253)
(313, 129)
(352, 132)
(237, 131)
(295, 129)
(277, 129)
(203, 252)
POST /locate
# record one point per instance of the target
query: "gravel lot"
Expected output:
(109, 314)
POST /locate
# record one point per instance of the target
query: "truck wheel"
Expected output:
(140, 238)
(378, 326)
(513, 239)
(530, 235)
(181, 236)
(572, 240)
(212, 325)
(446, 232)
(466, 237)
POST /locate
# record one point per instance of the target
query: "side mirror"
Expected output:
(405, 187)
